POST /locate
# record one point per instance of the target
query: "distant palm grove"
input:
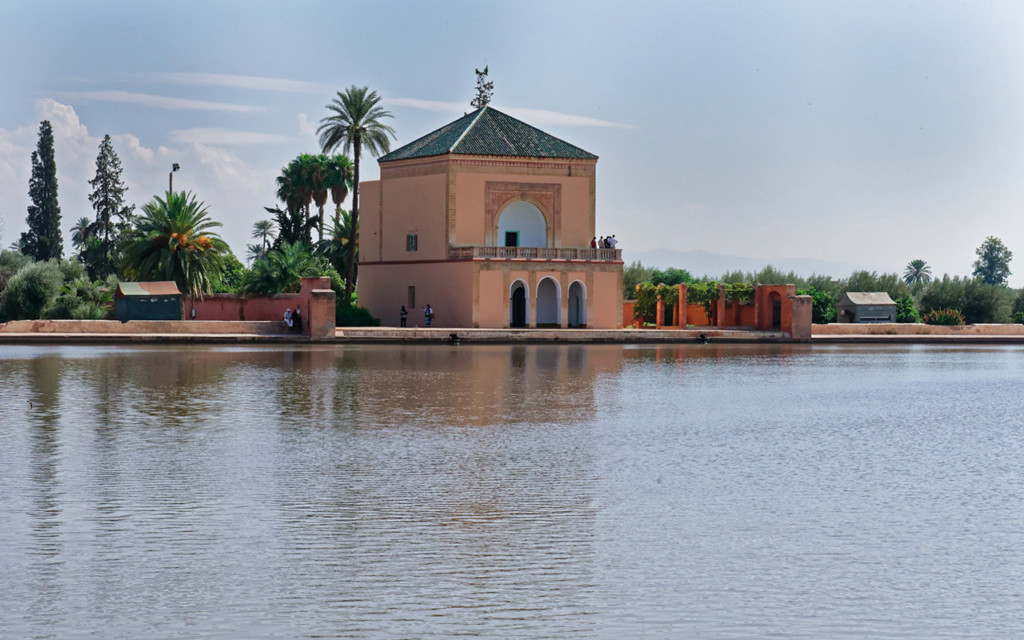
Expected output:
(174, 236)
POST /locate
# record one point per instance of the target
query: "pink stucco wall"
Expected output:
(446, 286)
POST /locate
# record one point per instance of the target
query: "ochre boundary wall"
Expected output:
(907, 329)
(794, 317)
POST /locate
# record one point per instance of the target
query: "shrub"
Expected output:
(944, 317)
(646, 303)
(823, 305)
(30, 291)
(81, 299)
(1018, 318)
(10, 263)
(979, 302)
(905, 310)
(352, 316)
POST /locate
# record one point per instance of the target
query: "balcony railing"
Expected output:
(533, 253)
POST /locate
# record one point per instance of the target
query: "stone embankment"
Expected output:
(846, 333)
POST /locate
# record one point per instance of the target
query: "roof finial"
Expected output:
(484, 89)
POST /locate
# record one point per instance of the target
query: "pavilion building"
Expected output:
(488, 220)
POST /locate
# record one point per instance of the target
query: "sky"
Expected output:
(869, 133)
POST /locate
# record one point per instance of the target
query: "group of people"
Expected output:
(604, 242)
(428, 316)
(293, 318)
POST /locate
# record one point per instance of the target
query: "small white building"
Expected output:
(856, 306)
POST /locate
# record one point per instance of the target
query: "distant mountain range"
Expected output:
(704, 263)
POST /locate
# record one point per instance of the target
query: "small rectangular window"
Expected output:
(511, 238)
(412, 297)
(411, 243)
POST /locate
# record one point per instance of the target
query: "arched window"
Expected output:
(521, 224)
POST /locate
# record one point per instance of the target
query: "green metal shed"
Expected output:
(147, 301)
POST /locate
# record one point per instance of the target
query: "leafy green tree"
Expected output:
(31, 291)
(43, 240)
(232, 278)
(113, 216)
(671, 276)
(281, 271)
(917, 271)
(979, 302)
(868, 281)
(906, 312)
(355, 121)
(174, 240)
(823, 305)
(484, 90)
(10, 263)
(632, 275)
(993, 263)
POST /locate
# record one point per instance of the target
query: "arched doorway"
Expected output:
(776, 301)
(517, 305)
(548, 307)
(577, 304)
(521, 224)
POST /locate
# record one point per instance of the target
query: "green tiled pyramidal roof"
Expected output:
(489, 132)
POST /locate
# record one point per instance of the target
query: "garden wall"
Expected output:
(909, 329)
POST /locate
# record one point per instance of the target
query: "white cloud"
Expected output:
(241, 82)
(159, 102)
(429, 105)
(540, 117)
(224, 137)
(235, 190)
(306, 126)
(537, 117)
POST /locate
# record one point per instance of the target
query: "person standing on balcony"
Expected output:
(612, 242)
(600, 243)
(593, 243)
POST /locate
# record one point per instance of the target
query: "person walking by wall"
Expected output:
(297, 319)
(428, 314)
(403, 317)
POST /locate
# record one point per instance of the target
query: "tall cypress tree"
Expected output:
(43, 240)
(112, 216)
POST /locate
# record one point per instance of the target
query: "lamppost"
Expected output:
(170, 177)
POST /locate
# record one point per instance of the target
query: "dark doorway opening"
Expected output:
(518, 307)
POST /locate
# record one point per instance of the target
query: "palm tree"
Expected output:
(338, 178)
(281, 271)
(293, 190)
(174, 240)
(80, 232)
(335, 247)
(263, 230)
(917, 271)
(355, 121)
(314, 172)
